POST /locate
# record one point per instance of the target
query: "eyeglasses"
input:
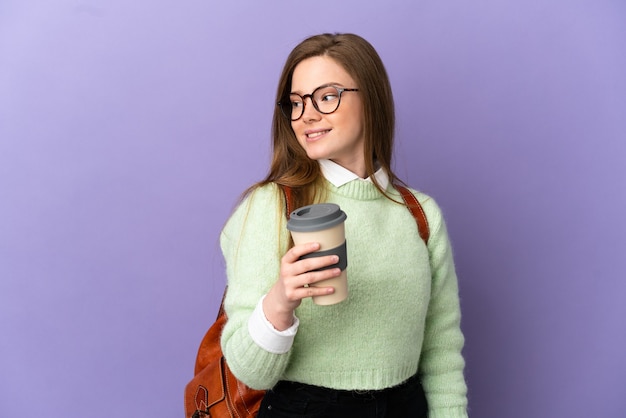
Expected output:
(325, 99)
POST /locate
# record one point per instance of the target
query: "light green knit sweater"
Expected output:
(402, 313)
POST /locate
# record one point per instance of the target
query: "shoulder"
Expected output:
(432, 210)
(427, 202)
(256, 206)
(261, 198)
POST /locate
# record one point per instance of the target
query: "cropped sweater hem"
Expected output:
(372, 379)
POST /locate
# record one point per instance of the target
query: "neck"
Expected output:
(357, 167)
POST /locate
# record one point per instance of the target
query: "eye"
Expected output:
(328, 97)
(326, 94)
(296, 101)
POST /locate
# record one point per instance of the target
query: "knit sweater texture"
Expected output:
(402, 314)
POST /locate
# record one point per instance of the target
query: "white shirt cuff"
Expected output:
(266, 336)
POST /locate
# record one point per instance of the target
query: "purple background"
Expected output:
(129, 128)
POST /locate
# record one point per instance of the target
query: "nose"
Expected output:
(310, 113)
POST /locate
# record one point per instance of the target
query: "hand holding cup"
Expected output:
(323, 223)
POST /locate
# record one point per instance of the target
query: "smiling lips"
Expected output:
(315, 134)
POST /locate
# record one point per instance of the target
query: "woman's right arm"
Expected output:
(260, 267)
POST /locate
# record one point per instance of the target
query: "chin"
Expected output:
(317, 155)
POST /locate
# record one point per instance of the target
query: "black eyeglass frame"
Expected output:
(340, 91)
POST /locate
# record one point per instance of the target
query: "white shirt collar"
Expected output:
(339, 175)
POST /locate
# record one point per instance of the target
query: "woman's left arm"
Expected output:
(252, 242)
(441, 362)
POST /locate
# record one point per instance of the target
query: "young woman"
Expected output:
(393, 347)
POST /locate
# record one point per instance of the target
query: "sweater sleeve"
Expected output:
(253, 242)
(441, 361)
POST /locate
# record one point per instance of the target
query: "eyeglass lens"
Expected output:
(325, 99)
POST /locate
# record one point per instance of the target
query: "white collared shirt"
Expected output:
(339, 175)
(261, 330)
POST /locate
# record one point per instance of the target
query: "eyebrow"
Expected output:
(332, 83)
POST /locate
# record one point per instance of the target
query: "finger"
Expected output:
(316, 263)
(298, 251)
(311, 279)
(310, 291)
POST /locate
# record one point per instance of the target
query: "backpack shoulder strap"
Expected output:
(288, 199)
(416, 210)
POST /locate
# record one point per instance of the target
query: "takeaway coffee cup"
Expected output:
(323, 223)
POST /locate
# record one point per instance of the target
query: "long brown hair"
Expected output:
(290, 164)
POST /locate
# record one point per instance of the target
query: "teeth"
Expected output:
(316, 134)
